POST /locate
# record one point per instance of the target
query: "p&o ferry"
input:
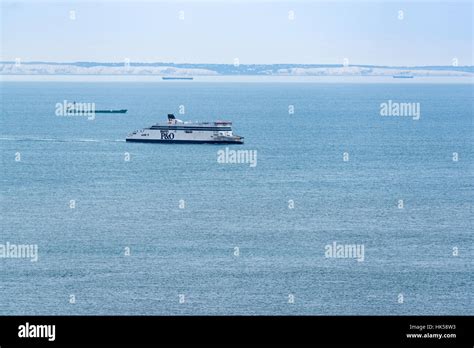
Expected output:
(177, 131)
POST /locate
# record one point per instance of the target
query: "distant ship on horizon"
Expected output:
(403, 75)
(177, 78)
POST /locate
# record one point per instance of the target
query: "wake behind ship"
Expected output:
(177, 131)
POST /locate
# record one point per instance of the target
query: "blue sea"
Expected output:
(230, 239)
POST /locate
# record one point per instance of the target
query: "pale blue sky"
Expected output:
(431, 33)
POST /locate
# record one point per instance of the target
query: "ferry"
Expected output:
(177, 131)
(403, 75)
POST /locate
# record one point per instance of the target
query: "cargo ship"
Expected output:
(177, 78)
(121, 111)
(78, 108)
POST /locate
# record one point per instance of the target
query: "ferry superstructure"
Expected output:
(177, 131)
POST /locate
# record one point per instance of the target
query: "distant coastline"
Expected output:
(195, 70)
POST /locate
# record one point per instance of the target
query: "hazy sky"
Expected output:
(430, 33)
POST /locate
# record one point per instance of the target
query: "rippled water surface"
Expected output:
(281, 251)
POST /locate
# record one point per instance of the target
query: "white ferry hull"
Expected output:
(185, 141)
